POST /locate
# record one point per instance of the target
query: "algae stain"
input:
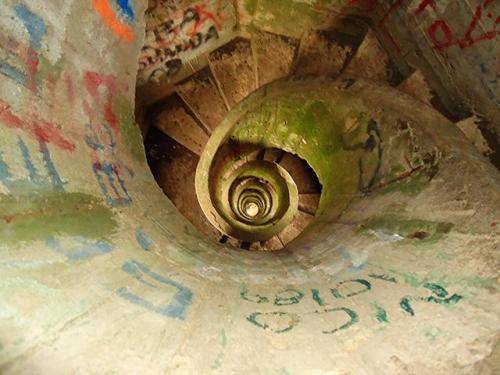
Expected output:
(431, 333)
(418, 231)
(129, 130)
(223, 341)
(278, 15)
(251, 6)
(41, 216)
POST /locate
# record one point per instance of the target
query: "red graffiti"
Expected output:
(205, 16)
(424, 4)
(443, 37)
(32, 63)
(468, 40)
(93, 81)
(172, 32)
(436, 30)
(38, 129)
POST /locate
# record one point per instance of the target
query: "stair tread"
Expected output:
(272, 244)
(201, 94)
(233, 68)
(309, 203)
(320, 54)
(302, 174)
(175, 172)
(372, 61)
(274, 55)
(178, 124)
(295, 228)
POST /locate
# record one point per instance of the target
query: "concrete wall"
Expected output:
(454, 43)
(100, 274)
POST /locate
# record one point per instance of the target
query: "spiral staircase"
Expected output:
(259, 193)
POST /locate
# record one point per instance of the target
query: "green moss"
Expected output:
(412, 185)
(39, 216)
(312, 128)
(250, 6)
(129, 130)
(279, 15)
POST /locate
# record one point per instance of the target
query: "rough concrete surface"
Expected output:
(101, 274)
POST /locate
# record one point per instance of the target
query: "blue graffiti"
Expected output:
(37, 30)
(126, 9)
(13, 73)
(489, 83)
(355, 263)
(143, 240)
(86, 250)
(105, 167)
(177, 308)
(51, 182)
(34, 24)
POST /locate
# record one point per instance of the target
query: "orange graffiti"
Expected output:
(120, 29)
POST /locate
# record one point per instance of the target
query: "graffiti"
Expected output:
(257, 298)
(95, 84)
(489, 80)
(288, 297)
(356, 262)
(366, 286)
(443, 37)
(117, 17)
(51, 182)
(126, 9)
(44, 133)
(101, 138)
(345, 317)
(27, 55)
(353, 318)
(107, 168)
(439, 292)
(166, 43)
(170, 69)
(176, 308)
(441, 33)
(370, 162)
(143, 240)
(380, 313)
(85, 250)
(279, 321)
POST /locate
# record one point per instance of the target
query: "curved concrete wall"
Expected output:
(100, 274)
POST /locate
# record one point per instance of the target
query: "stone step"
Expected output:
(274, 56)
(309, 203)
(302, 174)
(272, 244)
(178, 122)
(202, 96)
(321, 53)
(234, 70)
(296, 227)
(174, 168)
(371, 61)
